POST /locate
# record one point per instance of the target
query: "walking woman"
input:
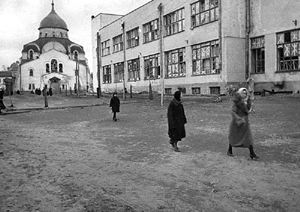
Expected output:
(239, 133)
(2, 106)
(115, 105)
(176, 121)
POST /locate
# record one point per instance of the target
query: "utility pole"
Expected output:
(220, 34)
(77, 76)
(247, 69)
(161, 56)
(124, 68)
(98, 49)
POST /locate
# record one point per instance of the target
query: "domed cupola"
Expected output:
(52, 20)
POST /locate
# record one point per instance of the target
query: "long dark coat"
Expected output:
(239, 131)
(2, 106)
(115, 104)
(176, 120)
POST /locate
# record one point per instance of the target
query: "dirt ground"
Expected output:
(79, 160)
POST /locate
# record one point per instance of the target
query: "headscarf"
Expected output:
(177, 95)
(241, 90)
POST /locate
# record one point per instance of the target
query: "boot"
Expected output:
(253, 156)
(176, 147)
(229, 151)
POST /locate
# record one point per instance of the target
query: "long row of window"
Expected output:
(288, 52)
(202, 12)
(51, 67)
(205, 59)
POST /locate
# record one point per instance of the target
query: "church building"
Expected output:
(53, 60)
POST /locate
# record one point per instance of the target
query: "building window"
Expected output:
(60, 67)
(151, 66)
(134, 70)
(30, 54)
(258, 55)
(288, 52)
(47, 68)
(53, 65)
(206, 58)
(214, 90)
(31, 87)
(31, 72)
(105, 48)
(203, 12)
(118, 43)
(176, 63)
(174, 22)
(182, 90)
(168, 91)
(107, 74)
(132, 38)
(75, 53)
(196, 90)
(118, 72)
(151, 31)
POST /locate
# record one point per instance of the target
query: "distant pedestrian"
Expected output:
(239, 132)
(115, 105)
(50, 91)
(2, 106)
(176, 121)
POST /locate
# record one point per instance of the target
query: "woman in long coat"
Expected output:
(115, 105)
(176, 120)
(2, 106)
(239, 132)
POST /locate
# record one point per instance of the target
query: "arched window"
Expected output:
(47, 68)
(61, 34)
(76, 55)
(60, 67)
(46, 34)
(53, 34)
(31, 72)
(53, 65)
(30, 54)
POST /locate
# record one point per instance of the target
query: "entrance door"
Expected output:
(55, 85)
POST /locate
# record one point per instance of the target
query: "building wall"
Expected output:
(267, 19)
(233, 46)
(41, 78)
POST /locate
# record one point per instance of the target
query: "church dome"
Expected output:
(52, 20)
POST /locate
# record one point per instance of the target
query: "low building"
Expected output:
(199, 46)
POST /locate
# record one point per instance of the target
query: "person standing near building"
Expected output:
(239, 132)
(176, 120)
(115, 105)
(2, 106)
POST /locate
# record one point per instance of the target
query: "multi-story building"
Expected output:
(198, 46)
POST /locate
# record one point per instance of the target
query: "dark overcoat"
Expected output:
(176, 120)
(115, 104)
(239, 131)
(2, 106)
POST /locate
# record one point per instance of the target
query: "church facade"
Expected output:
(53, 60)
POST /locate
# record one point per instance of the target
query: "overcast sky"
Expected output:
(20, 20)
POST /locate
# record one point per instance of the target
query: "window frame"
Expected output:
(118, 43)
(204, 13)
(106, 74)
(200, 53)
(132, 38)
(174, 22)
(258, 55)
(105, 48)
(133, 70)
(154, 67)
(151, 31)
(31, 72)
(118, 72)
(175, 67)
(288, 51)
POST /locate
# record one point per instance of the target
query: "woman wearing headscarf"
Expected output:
(176, 120)
(115, 105)
(239, 132)
(2, 106)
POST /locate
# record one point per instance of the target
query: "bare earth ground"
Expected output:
(78, 159)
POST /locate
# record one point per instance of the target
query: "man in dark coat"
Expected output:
(2, 106)
(176, 120)
(240, 133)
(115, 105)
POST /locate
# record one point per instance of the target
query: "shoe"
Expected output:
(172, 143)
(176, 149)
(254, 157)
(229, 154)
